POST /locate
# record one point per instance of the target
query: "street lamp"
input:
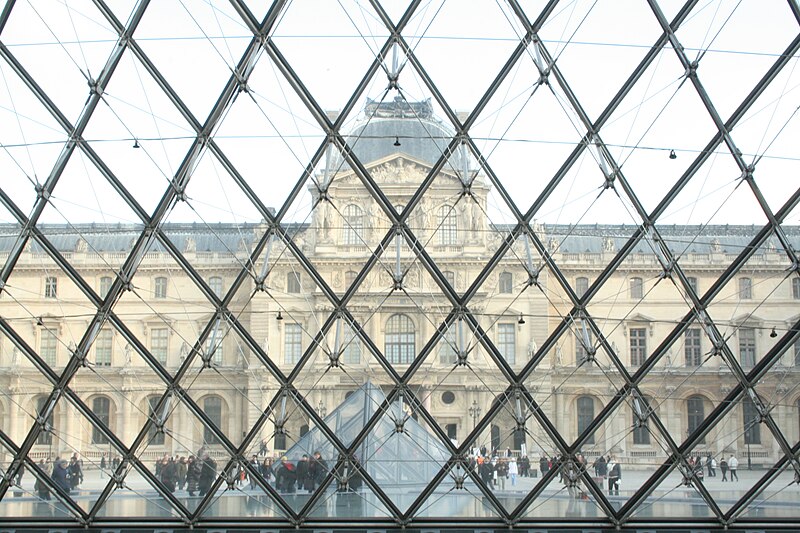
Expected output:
(475, 413)
(321, 409)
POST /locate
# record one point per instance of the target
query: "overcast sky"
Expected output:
(525, 132)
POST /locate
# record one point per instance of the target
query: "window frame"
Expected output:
(353, 227)
(400, 339)
(160, 287)
(159, 352)
(505, 283)
(745, 288)
(292, 343)
(104, 347)
(507, 341)
(746, 336)
(101, 408)
(584, 411)
(636, 288)
(447, 224)
(294, 284)
(51, 287)
(637, 344)
(693, 347)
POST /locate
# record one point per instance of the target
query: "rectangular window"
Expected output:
(583, 341)
(292, 344)
(745, 288)
(581, 286)
(49, 347)
(693, 284)
(352, 349)
(105, 286)
(160, 287)
(637, 288)
(638, 340)
(447, 346)
(506, 283)
(103, 347)
(797, 353)
(293, 283)
(796, 288)
(215, 349)
(692, 348)
(159, 344)
(506, 342)
(747, 347)
(51, 287)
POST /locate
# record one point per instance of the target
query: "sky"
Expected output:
(525, 132)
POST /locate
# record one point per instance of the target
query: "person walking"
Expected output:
(208, 472)
(513, 471)
(544, 465)
(723, 467)
(181, 470)
(193, 467)
(614, 475)
(60, 475)
(733, 465)
(710, 465)
(501, 472)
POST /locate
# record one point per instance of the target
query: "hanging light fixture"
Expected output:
(136, 143)
(279, 317)
(673, 155)
(773, 333)
(396, 140)
(521, 319)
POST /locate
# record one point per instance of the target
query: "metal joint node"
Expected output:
(691, 71)
(461, 358)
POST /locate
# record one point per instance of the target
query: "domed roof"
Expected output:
(400, 127)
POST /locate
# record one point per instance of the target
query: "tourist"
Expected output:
(733, 465)
(723, 467)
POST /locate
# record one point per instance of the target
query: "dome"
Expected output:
(400, 127)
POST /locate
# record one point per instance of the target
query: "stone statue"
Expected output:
(608, 244)
(190, 246)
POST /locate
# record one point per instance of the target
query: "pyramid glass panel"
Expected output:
(393, 264)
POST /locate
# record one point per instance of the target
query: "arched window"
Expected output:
(101, 407)
(44, 437)
(695, 413)
(750, 419)
(353, 231)
(495, 438)
(506, 283)
(215, 284)
(212, 407)
(637, 288)
(154, 436)
(448, 225)
(400, 340)
(585, 408)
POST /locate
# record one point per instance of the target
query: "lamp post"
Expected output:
(749, 461)
(321, 410)
(475, 413)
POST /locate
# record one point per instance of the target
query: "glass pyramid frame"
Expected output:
(475, 254)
